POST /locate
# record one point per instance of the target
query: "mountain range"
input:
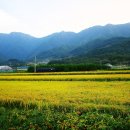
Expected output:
(109, 43)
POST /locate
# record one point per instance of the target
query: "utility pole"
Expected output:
(101, 64)
(35, 65)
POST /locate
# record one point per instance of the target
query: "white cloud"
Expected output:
(43, 17)
(9, 23)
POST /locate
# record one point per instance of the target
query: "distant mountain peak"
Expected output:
(20, 34)
(60, 44)
(109, 25)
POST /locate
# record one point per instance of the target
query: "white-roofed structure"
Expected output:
(6, 69)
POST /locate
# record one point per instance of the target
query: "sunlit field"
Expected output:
(65, 101)
(78, 93)
(95, 77)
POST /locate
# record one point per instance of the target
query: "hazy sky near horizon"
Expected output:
(43, 17)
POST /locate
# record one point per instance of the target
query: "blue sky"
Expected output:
(43, 17)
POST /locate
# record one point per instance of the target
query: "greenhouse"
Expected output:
(6, 69)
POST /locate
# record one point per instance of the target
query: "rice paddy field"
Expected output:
(98, 100)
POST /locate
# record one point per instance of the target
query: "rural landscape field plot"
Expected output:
(69, 77)
(64, 104)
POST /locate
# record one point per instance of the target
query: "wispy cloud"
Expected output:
(42, 17)
(9, 23)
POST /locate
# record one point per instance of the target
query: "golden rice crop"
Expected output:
(67, 77)
(77, 93)
(64, 101)
(72, 73)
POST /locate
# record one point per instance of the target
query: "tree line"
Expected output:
(68, 67)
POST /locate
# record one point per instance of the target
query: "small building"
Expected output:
(22, 68)
(109, 65)
(45, 69)
(6, 69)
